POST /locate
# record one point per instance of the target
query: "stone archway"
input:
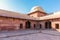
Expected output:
(40, 26)
(28, 25)
(34, 25)
(48, 25)
(21, 26)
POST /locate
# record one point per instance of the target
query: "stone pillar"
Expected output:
(43, 25)
(0, 28)
(24, 26)
(32, 26)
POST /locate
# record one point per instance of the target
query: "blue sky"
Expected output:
(24, 6)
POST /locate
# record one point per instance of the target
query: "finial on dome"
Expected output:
(37, 8)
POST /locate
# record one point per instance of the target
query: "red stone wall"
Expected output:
(33, 15)
(54, 23)
(41, 14)
(13, 24)
(8, 23)
(37, 14)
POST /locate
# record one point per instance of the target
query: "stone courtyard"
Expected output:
(30, 35)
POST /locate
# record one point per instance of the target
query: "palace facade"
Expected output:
(37, 18)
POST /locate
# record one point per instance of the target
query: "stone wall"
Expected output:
(43, 24)
(54, 25)
(8, 23)
(14, 23)
(37, 14)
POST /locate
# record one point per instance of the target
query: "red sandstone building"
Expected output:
(35, 19)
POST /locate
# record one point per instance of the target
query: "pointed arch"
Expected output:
(48, 25)
(28, 25)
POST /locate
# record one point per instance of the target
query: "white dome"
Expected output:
(58, 12)
(36, 8)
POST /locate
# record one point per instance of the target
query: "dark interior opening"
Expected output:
(34, 26)
(21, 26)
(48, 25)
(28, 24)
(57, 26)
(40, 26)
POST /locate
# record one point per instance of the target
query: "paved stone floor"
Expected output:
(30, 35)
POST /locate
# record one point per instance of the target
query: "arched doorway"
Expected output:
(21, 26)
(28, 25)
(48, 25)
(40, 26)
(34, 26)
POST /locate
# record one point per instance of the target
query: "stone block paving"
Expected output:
(30, 35)
(4, 34)
(51, 32)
